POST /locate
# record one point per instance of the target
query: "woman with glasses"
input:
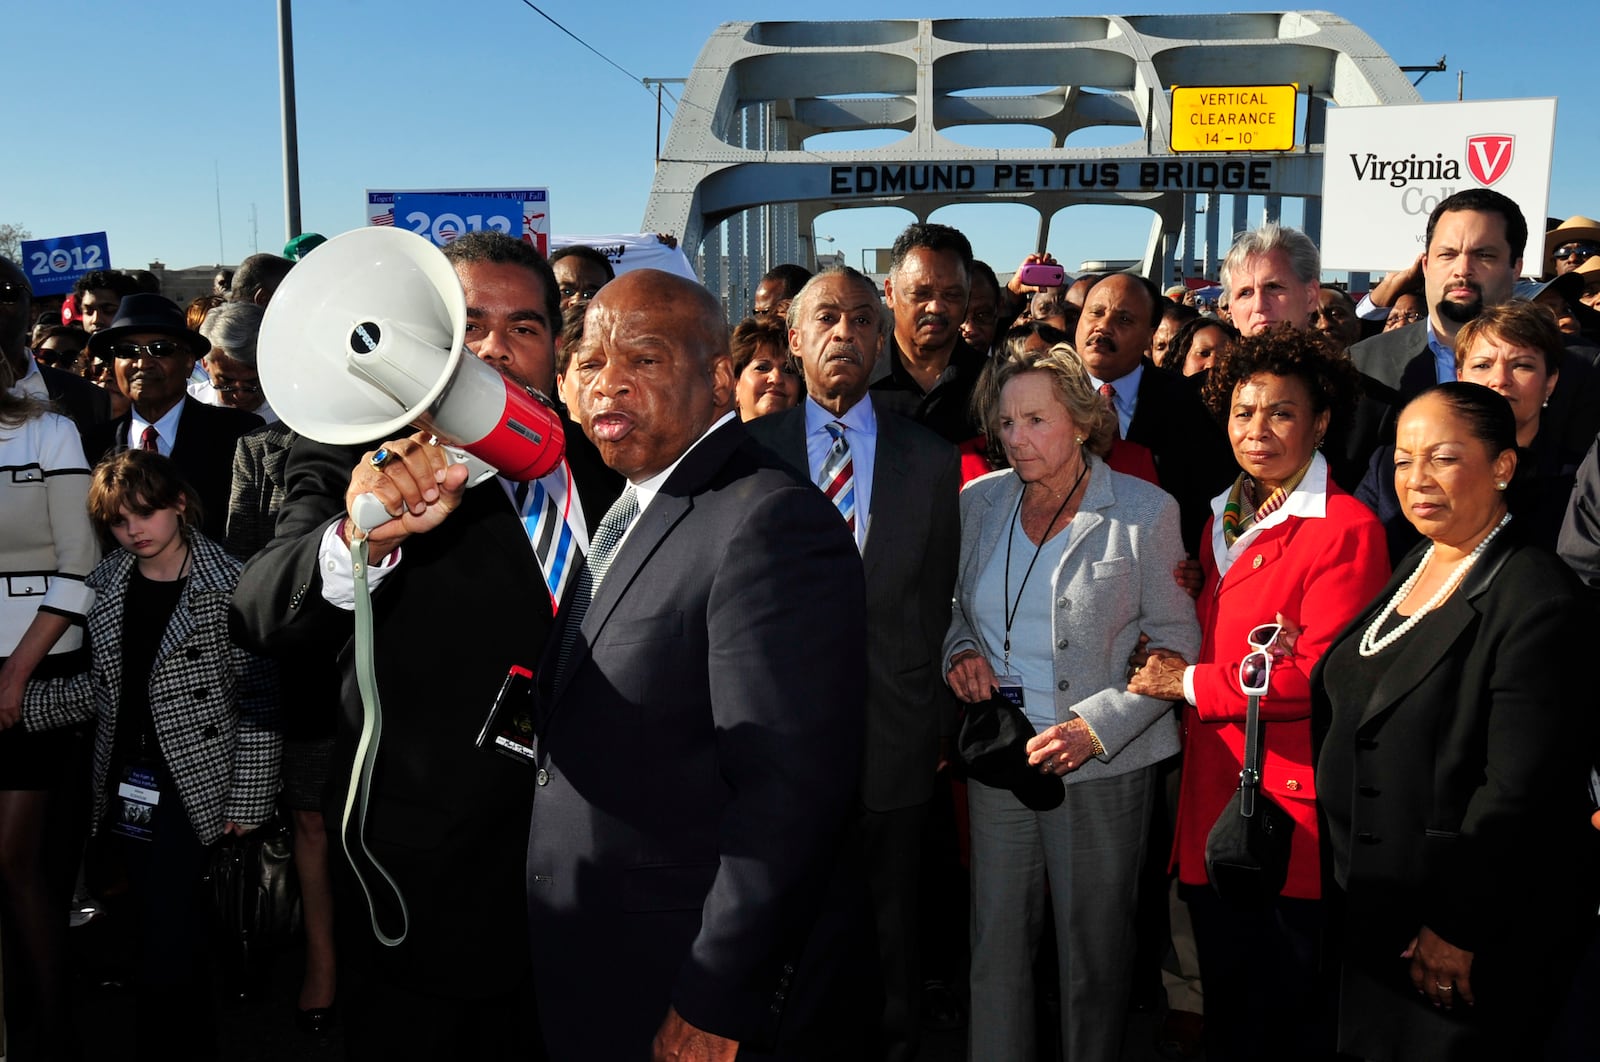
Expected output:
(1063, 563)
(1284, 541)
(766, 376)
(1453, 757)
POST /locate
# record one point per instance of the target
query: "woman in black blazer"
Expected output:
(1453, 761)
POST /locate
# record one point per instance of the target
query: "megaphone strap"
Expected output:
(358, 790)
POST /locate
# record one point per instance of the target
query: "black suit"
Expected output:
(698, 761)
(87, 404)
(203, 452)
(945, 409)
(1451, 773)
(1398, 366)
(1193, 460)
(912, 546)
(446, 819)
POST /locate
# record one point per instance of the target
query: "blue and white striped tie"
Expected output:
(838, 476)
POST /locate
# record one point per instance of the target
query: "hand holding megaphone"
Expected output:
(365, 338)
(404, 487)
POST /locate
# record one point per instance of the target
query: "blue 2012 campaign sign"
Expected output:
(443, 218)
(55, 265)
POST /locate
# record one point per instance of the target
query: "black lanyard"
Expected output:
(1010, 610)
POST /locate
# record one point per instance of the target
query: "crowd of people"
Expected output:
(896, 658)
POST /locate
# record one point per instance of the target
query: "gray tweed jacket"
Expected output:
(214, 704)
(1114, 580)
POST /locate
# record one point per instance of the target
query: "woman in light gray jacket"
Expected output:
(1063, 563)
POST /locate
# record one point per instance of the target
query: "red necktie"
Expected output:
(1109, 393)
(147, 441)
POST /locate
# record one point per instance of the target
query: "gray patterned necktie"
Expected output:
(602, 548)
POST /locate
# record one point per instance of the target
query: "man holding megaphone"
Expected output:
(464, 582)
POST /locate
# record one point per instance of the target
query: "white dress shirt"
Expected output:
(861, 432)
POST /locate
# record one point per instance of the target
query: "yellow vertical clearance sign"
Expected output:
(1233, 118)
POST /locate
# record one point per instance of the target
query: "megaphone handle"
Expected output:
(368, 512)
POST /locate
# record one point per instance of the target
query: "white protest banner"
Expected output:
(441, 214)
(1386, 168)
(634, 250)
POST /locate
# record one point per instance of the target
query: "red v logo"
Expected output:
(1489, 156)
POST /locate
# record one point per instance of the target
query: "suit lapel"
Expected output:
(1427, 646)
(891, 487)
(1096, 499)
(511, 535)
(188, 429)
(671, 504)
(1258, 556)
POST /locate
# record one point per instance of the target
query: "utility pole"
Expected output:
(658, 82)
(291, 137)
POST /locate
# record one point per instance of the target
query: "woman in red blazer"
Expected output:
(1284, 539)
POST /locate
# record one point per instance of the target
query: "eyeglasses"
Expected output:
(249, 387)
(1581, 251)
(1408, 316)
(10, 292)
(1255, 670)
(159, 349)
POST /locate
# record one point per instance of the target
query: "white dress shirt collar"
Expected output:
(166, 428)
(1308, 501)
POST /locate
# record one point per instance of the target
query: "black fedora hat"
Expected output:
(143, 314)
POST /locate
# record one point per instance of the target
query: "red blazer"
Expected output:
(1320, 573)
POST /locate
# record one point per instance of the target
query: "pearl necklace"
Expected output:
(1372, 645)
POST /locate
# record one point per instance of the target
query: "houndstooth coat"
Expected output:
(214, 704)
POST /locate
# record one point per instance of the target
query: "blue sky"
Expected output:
(131, 121)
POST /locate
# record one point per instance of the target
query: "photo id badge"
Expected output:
(137, 797)
(1010, 687)
(509, 728)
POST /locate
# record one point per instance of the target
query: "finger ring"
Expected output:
(1444, 988)
(381, 457)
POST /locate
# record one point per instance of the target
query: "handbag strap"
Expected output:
(1250, 774)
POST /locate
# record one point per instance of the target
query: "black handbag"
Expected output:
(255, 901)
(1247, 850)
(993, 744)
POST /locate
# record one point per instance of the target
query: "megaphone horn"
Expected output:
(364, 337)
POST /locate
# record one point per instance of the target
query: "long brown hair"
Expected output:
(142, 482)
(16, 408)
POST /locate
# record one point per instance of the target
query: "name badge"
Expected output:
(1010, 687)
(138, 793)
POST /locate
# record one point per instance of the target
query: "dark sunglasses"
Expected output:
(10, 292)
(159, 349)
(1582, 252)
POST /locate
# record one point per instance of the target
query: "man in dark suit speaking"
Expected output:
(700, 722)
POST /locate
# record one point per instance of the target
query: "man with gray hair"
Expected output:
(1272, 276)
(230, 365)
(895, 484)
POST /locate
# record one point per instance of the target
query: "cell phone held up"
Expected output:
(1041, 275)
(509, 728)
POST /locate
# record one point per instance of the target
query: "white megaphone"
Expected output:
(364, 338)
